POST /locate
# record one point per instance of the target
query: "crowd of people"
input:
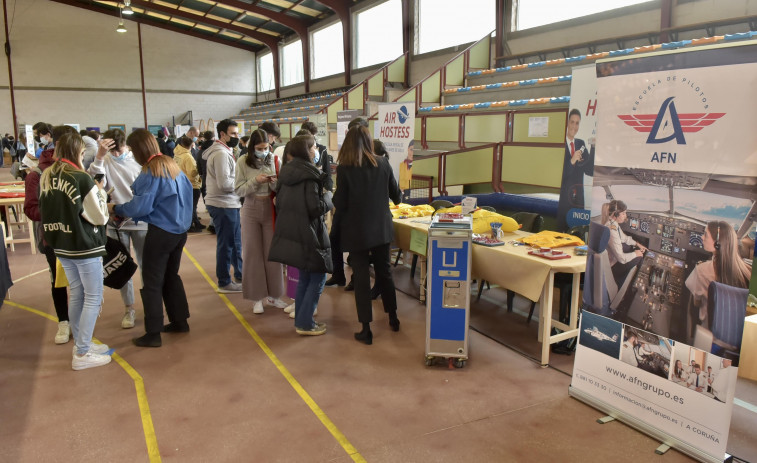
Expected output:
(268, 203)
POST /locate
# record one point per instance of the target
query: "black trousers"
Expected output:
(60, 295)
(337, 258)
(362, 280)
(620, 271)
(162, 283)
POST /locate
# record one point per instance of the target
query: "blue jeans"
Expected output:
(228, 243)
(309, 290)
(127, 237)
(85, 281)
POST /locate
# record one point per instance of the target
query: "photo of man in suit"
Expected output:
(577, 162)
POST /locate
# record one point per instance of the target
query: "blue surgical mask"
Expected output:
(261, 154)
(194, 139)
(317, 157)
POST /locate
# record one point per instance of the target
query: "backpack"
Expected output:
(118, 265)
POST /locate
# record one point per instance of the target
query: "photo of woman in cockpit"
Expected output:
(623, 251)
(726, 266)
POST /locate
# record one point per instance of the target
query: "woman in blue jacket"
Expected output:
(163, 199)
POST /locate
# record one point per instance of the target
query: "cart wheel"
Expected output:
(429, 361)
(459, 363)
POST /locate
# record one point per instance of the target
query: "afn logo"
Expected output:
(668, 125)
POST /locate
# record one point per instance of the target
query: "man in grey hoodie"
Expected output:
(223, 205)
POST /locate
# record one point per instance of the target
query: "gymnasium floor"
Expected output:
(245, 387)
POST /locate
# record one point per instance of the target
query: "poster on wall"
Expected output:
(154, 129)
(343, 119)
(75, 126)
(395, 127)
(578, 161)
(670, 253)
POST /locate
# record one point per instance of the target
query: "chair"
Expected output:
(726, 307)
(601, 293)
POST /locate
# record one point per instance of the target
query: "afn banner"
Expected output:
(578, 162)
(395, 127)
(670, 249)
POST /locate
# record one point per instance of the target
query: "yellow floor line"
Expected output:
(144, 408)
(319, 413)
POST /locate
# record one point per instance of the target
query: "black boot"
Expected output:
(394, 322)
(176, 327)
(350, 286)
(148, 340)
(336, 280)
(365, 336)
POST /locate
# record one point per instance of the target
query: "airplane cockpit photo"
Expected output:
(652, 243)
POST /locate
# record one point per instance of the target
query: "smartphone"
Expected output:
(99, 177)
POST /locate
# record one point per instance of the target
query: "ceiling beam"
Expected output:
(159, 25)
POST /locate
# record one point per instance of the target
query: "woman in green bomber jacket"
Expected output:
(74, 212)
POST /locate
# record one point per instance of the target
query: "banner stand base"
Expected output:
(641, 426)
(662, 449)
(605, 420)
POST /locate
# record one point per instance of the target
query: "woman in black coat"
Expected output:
(365, 183)
(300, 238)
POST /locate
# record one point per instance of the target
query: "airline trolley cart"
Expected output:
(448, 297)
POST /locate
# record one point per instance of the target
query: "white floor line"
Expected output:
(30, 275)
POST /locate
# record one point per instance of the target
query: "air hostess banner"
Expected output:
(669, 264)
(395, 127)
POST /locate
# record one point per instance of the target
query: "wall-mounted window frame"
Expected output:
(265, 74)
(327, 51)
(536, 13)
(441, 24)
(292, 69)
(375, 42)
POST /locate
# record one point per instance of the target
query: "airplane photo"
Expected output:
(600, 335)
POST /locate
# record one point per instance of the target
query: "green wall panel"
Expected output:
(409, 96)
(442, 128)
(396, 71)
(556, 127)
(427, 166)
(418, 133)
(469, 167)
(430, 88)
(376, 85)
(532, 165)
(454, 72)
(489, 128)
(332, 110)
(479, 55)
(355, 98)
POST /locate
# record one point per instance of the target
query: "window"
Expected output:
(265, 73)
(379, 34)
(291, 64)
(444, 23)
(533, 13)
(328, 51)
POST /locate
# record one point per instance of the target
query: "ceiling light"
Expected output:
(127, 10)
(121, 27)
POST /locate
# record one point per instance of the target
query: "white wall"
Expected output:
(71, 66)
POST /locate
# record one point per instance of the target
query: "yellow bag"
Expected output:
(551, 239)
(482, 220)
(407, 210)
(60, 275)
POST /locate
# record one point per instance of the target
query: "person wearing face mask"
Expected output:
(223, 205)
(263, 281)
(321, 159)
(117, 163)
(193, 133)
(187, 164)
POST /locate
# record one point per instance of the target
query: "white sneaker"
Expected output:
(89, 360)
(63, 334)
(95, 349)
(289, 308)
(291, 314)
(230, 288)
(258, 307)
(128, 320)
(278, 303)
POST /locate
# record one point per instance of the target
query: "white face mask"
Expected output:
(261, 154)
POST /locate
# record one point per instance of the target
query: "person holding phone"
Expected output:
(74, 212)
(255, 179)
(116, 164)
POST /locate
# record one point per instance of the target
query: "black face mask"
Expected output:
(233, 142)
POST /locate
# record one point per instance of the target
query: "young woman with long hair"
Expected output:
(301, 239)
(255, 178)
(365, 184)
(74, 213)
(117, 163)
(726, 265)
(163, 199)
